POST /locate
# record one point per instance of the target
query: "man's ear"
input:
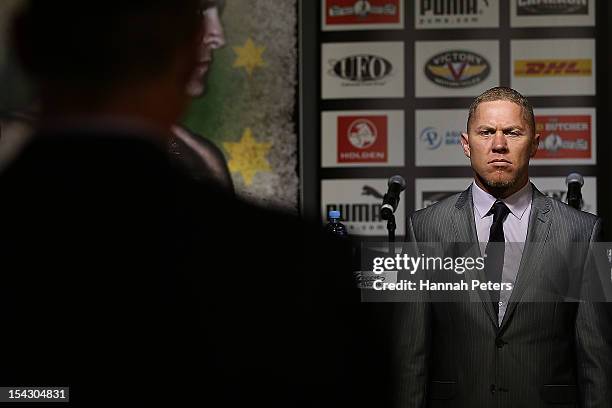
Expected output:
(535, 144)
(465, 144)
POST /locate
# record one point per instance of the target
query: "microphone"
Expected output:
(574, 183)
(397, 184)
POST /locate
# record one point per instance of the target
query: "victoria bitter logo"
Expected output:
(457, 69)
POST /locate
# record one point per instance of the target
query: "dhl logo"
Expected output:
(561, 67)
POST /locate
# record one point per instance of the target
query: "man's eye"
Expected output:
(486, 132)
(205, 6)
(208, 4)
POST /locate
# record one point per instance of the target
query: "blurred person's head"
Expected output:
(212, 39)
(115, 57)
(500, 140)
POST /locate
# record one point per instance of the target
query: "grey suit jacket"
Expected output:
(553, 353)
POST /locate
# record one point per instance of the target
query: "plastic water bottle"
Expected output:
(334, 226)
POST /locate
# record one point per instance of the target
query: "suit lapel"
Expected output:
(465, 232)
(537, 235)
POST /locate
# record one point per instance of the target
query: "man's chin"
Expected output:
(196, 89)
(499, 181)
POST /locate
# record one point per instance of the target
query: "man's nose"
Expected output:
(500, 143)
(214, 36)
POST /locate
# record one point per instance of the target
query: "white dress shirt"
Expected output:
(515, 231)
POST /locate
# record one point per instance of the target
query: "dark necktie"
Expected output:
(494, 262)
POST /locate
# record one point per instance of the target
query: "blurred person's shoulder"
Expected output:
(111, 188)
(200, 157)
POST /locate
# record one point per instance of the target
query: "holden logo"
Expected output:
(361, 68)
(553, 142)
(457, 69)
(362, 133)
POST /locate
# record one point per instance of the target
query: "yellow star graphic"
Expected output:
(249, 56)
(248, 157)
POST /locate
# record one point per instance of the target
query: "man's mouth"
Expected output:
(500, 163)
(202, 67)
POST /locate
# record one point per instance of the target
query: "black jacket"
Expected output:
(128, 281)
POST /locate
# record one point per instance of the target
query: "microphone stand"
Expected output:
(574, 183)
(391, 230)
(575, 202)
(391, 200)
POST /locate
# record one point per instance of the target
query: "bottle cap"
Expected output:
(334, 214)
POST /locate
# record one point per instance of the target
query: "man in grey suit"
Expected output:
(538, 344)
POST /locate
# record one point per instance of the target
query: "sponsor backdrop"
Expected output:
(553, 67)
(362, 138)
(455, 68)
(386, 85)
(362, 70)
(359, 201)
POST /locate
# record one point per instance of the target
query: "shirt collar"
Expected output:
(517, 203)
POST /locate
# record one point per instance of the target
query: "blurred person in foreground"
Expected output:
(201, 157)
(545, 341)
(122, 277)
